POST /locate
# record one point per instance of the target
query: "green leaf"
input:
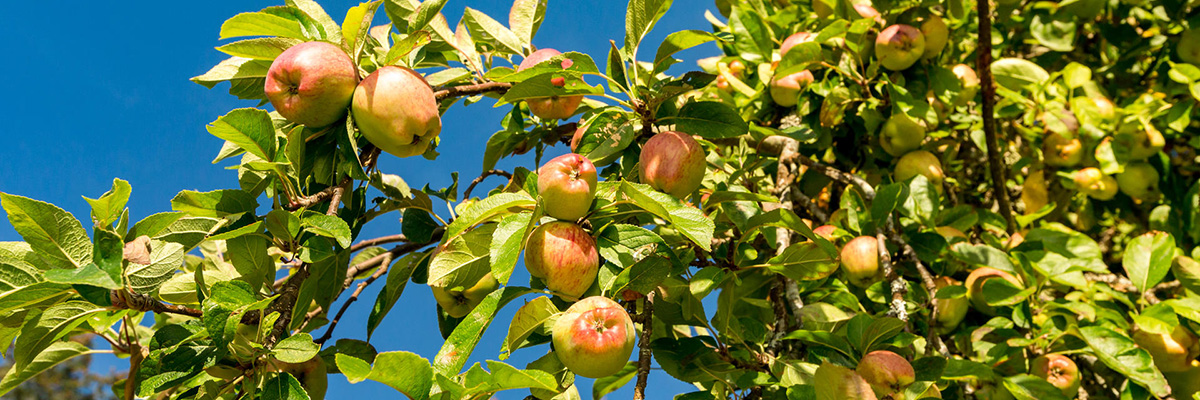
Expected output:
(868, 334)
(624, 245)
(506, 245)
(461, 342)
(328, 29)
(238, 69)
(983, 256)
(42, 330)
(56, 236)
(165, 259)
(611, 383)
(685, 218)
(188, 231)
(1056, 31)
(525, 17)
(529, 319)
(426, 13)
(406, 372)
(676, 42)
(1120, 353)
(710, 119)
(463, 260)
(752, 38)
(296, 349)
(784, 218)
(392, 186)
(397, 279)
(354, 368)
(487, 209)
(357, 24)
(283, 386)
(329, 226)
(249, 128)
(1148, 258)
(214, 204)
(261, 24)
(90, 275)
(484, 28)
(107, 208)
(259, 48)
(53, 355)
(820, 338)
(35, 296)
(1016, 74)
(640, 18)
(417, 225)
(606, 136)
(282, 224)
(804, 261)
(642, 277)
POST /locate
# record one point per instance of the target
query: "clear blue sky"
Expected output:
(97, 90)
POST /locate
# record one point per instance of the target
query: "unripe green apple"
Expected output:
(1171, 353)
(1139, 181)
(784, 91)
(396, 111)
(567, 186)
(860, 260)
(1142, 140)
(458, 302)
(312, 374)
(1062, 151)
(564, 256)
(1059, 370)
(901, 134)
(672, 162)
(975, 286)
(923, 163)
(840, 383)
(311, 83)
(1187, 271)
(888, 373)
(948, 313)
(1189, 46)
(1092, 182)
(1105, 108)
(554, 107)
(594, 337)
(969, 82)
(936, 35)
(899, 46)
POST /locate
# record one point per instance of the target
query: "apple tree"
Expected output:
(852, 199)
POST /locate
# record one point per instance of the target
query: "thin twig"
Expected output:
(317, 198)
(378, 241)
(383, 267)
(471, 90)
(394, 253)
(994, 153)
(838, 175)
(644, 354)
(484, 175)
(122, 299)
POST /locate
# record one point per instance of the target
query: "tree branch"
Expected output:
(471, 90)
(378, 241)
(484, 175)
(285, 303)
(122, 299)
(838, 175)
(644, 354)
(317, 198)
(994, 153)
(383, 268)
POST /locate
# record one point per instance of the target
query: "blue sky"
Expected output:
(97, 90)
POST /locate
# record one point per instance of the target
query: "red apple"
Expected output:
(936, 35)
(866, 11)
(1092, 182)
(920, 162)
(567, 185)
(888, 373)
(396, 111)
(860, 260)
(975, 286)
(575, 138)
(1062, 151)
(969, 82)
(901, 134)
(311, 83)
(825, 231)
(795, 39)
(673, 162)
(1059, 370)
(553, 107)
(948, 313)
(840, 383)
(564, 256)
(594, 338)
(899, 46)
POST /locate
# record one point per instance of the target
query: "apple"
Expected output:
(901, 134)
(899, 46)
(1092, 182)
(1105, 108)
(567, 186)
(312, 374)
(1189, 46)
(825, 231)
(975, 286)
(736, 67)
(969, 82)
(841, 383)
(1187, 271)
(948, 313)
(594, 337)
(860, 260)
(888, 373)
(1171, 353)
(936, 35)
(923, 163)
(1139, 181)
(1184, 385)
(457, 301)
(396, 111)
(564, 256)
(786, 89)
(672, 162)
(1062, 151)
(795, 39)
(578, 136)
(1142, 143)
(866, 11)
(1059, 370)
(311, 83)
(553, 107)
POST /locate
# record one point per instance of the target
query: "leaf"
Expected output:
(1016, 73)
(687, 219)
(54, 234)
(215, 204)
(259, 48)
(710, 119)
(90, 275)
(484, 28)
(1055, 31)
(804, 261)
(428, 10)
(296, 349)
(328, 28)
(283, 386)
(528, 319)
(784, 218)
(107, 208)
(463, 260)
(354, 368)
(406, 372)
(611, 383)
(461, 342)
(234, 69)
(624, 245)
(676, 42)
(42, 330)
(640, 18)
(46, 359)
(1148, 258)
(391, 185)
(752, 38)
(642, 277)
(485, 210)
(357, 23)
(525, 17)
(506, 245)
(417, 225)
(34, 296)
(329, 226)
(397, 279)
(1120, 353)
(249, 128)
(165, 259)
(983, 256)
(261, 24)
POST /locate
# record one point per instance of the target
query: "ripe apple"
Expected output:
(553, 107)
(860, 260)
(594, 337)
(975, 286)
(1059, 370)
(901, 134)
(888, 373)
(1062, 151)
(825, 231)
(899, 46)
(1171, 353)
(457, 301)
(736, 67)
(948, 313)
(396, 111)
(564, 256)
(936, 35)
(969, 82)
(920, 162)
(672, 162)
(1092, 182)
(312, 374)
(1189, 46)
(795, 39)
(311, 83)
(841, 383)
(567, 186)
(1139, 181)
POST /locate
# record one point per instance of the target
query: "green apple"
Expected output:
(1139, 181)
(312, 374)
(899, 46)
(1142, 142)
(672, 162)
(311, 83)
(948, 313)
(860, 260)
(1171, 353)
(458, 301)
(1187, 271)
(901, 134)
(1189, 46)
(841, 383)
(1062, 151)
(888, 373)
(567, 186)
(1095, 184)
(936, 33)
(553, 107)
(1059, 370)
(920, 162)
(594, 337)
(1105, 109)
(969, 82)
(785, 90)
(396, 111)
(564, 256)
(975, 286)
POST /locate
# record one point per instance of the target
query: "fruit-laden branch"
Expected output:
(484, 175)
(471, 90)
(994, 153)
